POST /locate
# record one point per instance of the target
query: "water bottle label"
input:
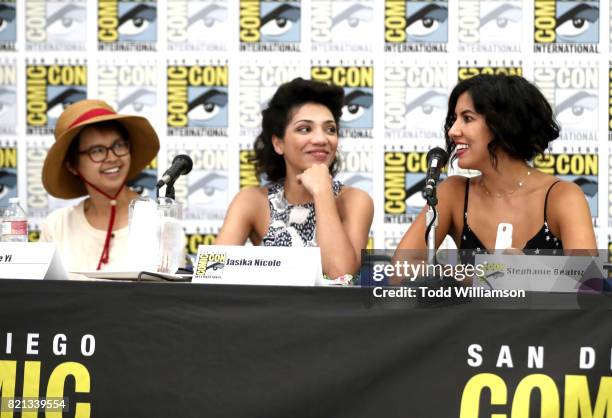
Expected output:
(15, 228)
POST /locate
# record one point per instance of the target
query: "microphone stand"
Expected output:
(169, 190)
(431, 222)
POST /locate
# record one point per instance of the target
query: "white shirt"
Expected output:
(79, 244)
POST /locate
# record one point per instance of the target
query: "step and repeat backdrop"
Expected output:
(201, 71)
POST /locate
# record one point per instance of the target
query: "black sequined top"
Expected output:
(544, 239)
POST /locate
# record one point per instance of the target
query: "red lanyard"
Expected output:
(111, 221)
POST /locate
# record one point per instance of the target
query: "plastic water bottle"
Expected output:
(14, 223)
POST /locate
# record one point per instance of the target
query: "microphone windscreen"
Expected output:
(438, 153)
(185, 161)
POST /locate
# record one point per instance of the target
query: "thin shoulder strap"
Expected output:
(546, 198)
(465, 201)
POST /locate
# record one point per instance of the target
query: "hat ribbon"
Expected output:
(91, 114)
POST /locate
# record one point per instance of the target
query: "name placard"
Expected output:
(279, 266)
(538, 273)
(30, 260)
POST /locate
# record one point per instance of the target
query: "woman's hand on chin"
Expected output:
(316, 179)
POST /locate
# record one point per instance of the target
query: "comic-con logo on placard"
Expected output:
(55, 24)
(416, 25)
(8, 172)
(144, 183)
(358, 83)
(258, 83)
(197, 238)
(356, 166)
(573, 92)
(404, 180)
(466, 71)
(204, 191)
(197, 100)
(415, 100)
(579, 168)
(197, 25)
(50, 89)
(342, 25)
(273, 25)
(8, 97)
(127, 25)
(210, 265)
(131, 89)
(566, 26)
(8, 25)
(490, 25)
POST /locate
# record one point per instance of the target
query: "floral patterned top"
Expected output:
(291, 225)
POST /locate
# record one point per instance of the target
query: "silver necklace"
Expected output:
(520, 184)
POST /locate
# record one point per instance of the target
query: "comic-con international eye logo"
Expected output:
(144, 183)
(270, 25)
(610, 102)
(55, 24)
(204, 191)
(8, 97)
(465, 72)
(248, 175)
(197, 25)
(404, 180)
(574, 94)
(610, 191)
(358, 83)
(579, 168)
(131, 89)
(210, 265)
(127, 25)
(50, 89)
(8, 25)
(342, 25)
(490, 25)
(356, 168)
(258, 83)
(37, 197)
(393, 236)
(8, 173)
(566, 26)
(415, 101)
(197, 100)
(416, 25)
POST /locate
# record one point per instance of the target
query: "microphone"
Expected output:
(436, 160)
(181, 164)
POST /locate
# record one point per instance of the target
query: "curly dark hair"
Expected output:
(277, 115)
(518, 115)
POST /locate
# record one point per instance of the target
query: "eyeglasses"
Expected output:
(98, 153)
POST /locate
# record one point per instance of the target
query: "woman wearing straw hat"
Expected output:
(96, 152)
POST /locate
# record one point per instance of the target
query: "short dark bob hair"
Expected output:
(518, 115)
(277, 115)
(72, 155)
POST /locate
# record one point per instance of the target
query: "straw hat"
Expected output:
(60, 182)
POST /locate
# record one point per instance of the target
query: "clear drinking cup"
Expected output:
(171, 235)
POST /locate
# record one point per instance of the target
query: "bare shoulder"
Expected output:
(453, 186)
(563, 192)
(566, 200)
(353, 195)
(251, 195)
